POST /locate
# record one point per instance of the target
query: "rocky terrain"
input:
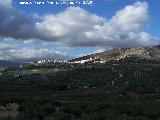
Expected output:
(148, 53)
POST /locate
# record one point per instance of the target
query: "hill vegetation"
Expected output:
(122, 88)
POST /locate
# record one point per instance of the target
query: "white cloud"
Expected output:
(14, 50)
(144, 38)
(132, 17)
(31, 54)
(4, 46)
(31, 41)
(78, 27)
(35, 53)
(6, 3)
(99, 51)
(73, 21)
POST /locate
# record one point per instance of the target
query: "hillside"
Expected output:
(125, 86)
(10, 63)
(147, 53)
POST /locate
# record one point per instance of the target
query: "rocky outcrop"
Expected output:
(148, 53)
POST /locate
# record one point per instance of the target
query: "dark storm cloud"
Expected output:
(16, 24)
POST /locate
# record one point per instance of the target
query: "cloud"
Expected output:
(18, 25)
(132, 17)
(70, 23)
(6, 3)
(4, 46)
(20, 51)
(31, 54)
(76, 26)
(37, 54)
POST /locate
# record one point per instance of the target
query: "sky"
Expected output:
(30, 32)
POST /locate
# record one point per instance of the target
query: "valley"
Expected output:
(117, 89)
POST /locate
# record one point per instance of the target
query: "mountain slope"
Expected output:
(147, 53)
(9, 63)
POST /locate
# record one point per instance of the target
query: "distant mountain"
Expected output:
(147, 53)
(9, 63)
